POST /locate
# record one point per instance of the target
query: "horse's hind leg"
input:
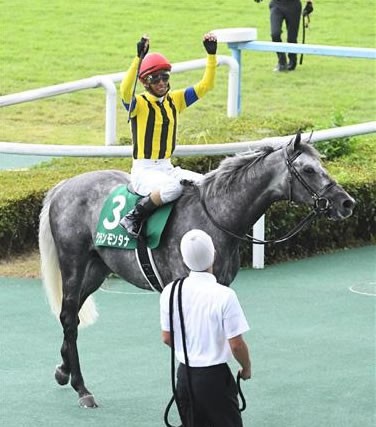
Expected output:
(76, 288)
(62, 372)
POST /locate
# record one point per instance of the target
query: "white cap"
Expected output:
(197, 250)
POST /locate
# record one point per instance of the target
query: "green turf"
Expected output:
(312, 344)
(47, 43)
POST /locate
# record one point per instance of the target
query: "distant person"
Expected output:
(287, 11)
(214, 323)
(154, 125)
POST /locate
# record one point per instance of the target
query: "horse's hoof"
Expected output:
(60, 376)
(87, 401)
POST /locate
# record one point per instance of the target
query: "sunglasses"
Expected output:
(156, 78)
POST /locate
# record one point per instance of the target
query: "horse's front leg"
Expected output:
(69, 320)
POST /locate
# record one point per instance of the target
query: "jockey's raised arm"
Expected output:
(154, 118)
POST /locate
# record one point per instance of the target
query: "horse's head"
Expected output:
(310, 183)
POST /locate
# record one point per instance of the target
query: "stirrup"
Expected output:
(137, 216)
(140, 230)
(129, 230)
(187, 182)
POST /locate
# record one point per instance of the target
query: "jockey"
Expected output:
(154, 120)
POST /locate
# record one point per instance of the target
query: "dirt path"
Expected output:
(21, 266)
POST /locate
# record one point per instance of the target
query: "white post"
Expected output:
(110, 88)
(258, 250)
(229, 36)
(233, 84)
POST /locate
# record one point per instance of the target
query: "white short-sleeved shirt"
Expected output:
(212, 315)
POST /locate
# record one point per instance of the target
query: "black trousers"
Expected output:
(288, 11)
(215, 400)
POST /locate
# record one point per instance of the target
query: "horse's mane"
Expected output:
(232, 170)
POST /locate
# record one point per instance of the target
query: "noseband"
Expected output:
(320, 206)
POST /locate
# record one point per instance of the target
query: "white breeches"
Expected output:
(160, 175)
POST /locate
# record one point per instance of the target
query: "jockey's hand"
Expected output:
(308, 9)
(210, 43)
(143, 46)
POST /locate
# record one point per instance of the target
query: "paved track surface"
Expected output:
(312, 341)
(18, 161)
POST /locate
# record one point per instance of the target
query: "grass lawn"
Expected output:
(51, 42)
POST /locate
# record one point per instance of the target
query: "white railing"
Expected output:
(234, 77)
(188, 150)
(233, 109)
(306, 49)
(69, 87)
(181, 150)
(108, 83)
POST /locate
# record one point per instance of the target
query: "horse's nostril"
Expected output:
(348, 204)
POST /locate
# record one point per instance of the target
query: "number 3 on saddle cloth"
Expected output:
(109, 234)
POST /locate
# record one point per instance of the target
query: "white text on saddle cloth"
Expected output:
(111, 239)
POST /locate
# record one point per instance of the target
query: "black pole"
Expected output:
(303, 41)
(135, 85)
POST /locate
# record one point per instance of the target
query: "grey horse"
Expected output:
(226, 204)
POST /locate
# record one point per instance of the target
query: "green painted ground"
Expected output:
(17, 161)
(312, 343)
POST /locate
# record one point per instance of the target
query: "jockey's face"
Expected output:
(158, 83)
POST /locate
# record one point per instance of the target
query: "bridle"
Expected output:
(320, 206)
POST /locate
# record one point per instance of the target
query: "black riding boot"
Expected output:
(292, 62)
(133, 220)
(282, 63)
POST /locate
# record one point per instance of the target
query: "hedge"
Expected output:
(20, 208)
(19, 221)
(322, 235)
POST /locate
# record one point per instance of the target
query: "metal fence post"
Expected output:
(258, 251)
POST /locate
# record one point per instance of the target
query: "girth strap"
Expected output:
(147, 266)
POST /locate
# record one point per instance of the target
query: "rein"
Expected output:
(321, 205)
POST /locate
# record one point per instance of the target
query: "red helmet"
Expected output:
(153, 62)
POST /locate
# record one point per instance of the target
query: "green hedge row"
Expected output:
(19, 213)
(322, 235)
(19, 221)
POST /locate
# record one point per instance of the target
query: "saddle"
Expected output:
(118, 203)
(109, 234)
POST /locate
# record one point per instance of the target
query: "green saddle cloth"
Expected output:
(110, 234)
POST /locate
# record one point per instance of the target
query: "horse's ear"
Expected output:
(298, 139)
(310, 138)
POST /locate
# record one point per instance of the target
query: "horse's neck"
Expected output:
(245, 208)
(242, 206)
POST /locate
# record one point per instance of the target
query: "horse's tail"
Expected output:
(50, 269)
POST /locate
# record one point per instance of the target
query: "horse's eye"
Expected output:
(309, 170)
